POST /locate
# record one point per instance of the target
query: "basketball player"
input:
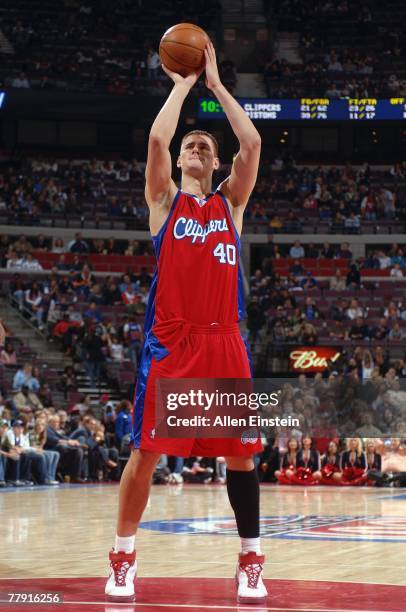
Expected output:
(191, 328)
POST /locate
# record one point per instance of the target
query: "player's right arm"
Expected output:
(160, 189)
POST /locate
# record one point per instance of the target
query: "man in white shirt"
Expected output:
(30, 459)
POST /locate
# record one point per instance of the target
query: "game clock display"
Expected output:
(311, 109)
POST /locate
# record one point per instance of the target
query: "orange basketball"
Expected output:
(182, 48)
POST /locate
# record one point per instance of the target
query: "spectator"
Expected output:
(353, 280)
(20, 82)
(30, 264)
(37, 439)
(310, 309)
(327, 251)
(133, 338)
(70, 451)
(396, 271)
(153, 64)
(296, 251)
(344, 251)
(123, 424)
(27, 401)
(354, 311)
(94, 359)
(8, 356)
(31, 459)
(24, 376)
(78, 245)
(337, 282)
(359, 330)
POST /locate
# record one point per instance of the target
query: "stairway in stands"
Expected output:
(49, 356)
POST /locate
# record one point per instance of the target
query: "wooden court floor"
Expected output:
(326, 548)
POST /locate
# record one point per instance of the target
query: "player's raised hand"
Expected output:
(212, 72)
(189, 80)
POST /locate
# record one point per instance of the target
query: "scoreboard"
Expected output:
(311, 109)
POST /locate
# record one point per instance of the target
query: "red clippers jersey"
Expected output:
(198, 275)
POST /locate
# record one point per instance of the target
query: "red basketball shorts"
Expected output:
(204, 351)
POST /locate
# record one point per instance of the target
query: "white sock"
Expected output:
(126, 544)
(250, 545)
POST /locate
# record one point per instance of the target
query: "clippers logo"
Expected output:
(250, 436)
(190, 228)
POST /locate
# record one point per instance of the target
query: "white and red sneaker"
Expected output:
(120, 583)
(248, 577)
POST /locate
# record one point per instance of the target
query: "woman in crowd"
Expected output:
(38, 438)
(353, 463)
(8, 356)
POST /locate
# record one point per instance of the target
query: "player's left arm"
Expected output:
(238, 186)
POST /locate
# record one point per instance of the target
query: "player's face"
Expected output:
(197, 156)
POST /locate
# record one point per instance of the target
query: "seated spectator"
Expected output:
(367, 429)
(354, 311)
(337, 282)
(78, 245)
(14, 262)
(327, 251)
(98, 456)
(309, 282)
(380, 331)
(353, 280)
(112, 295)
(8, 356)
(344, 251)
(359, 330)
(31, 264)
(24, 376)
(352, 223)
(129, 296)
(312, 252)
(296, 251)
(310, 309)
(68, 380)
(308, 334)
(37, 439)
(70, 451)
(31, 460)
(396, 271)
(21, 82)
(26, 400)
(396, 333)
(93, 314)
(123, 422)
(296, 268)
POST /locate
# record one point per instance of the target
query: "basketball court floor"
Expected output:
(327, 549)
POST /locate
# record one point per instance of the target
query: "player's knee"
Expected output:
(142, 463)
(242, 464)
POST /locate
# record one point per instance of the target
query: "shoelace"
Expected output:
(120, 570)
(253, 571)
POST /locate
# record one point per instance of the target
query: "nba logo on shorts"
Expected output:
(250, 436)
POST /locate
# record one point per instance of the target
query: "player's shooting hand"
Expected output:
(189, 81)
(212, 72)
